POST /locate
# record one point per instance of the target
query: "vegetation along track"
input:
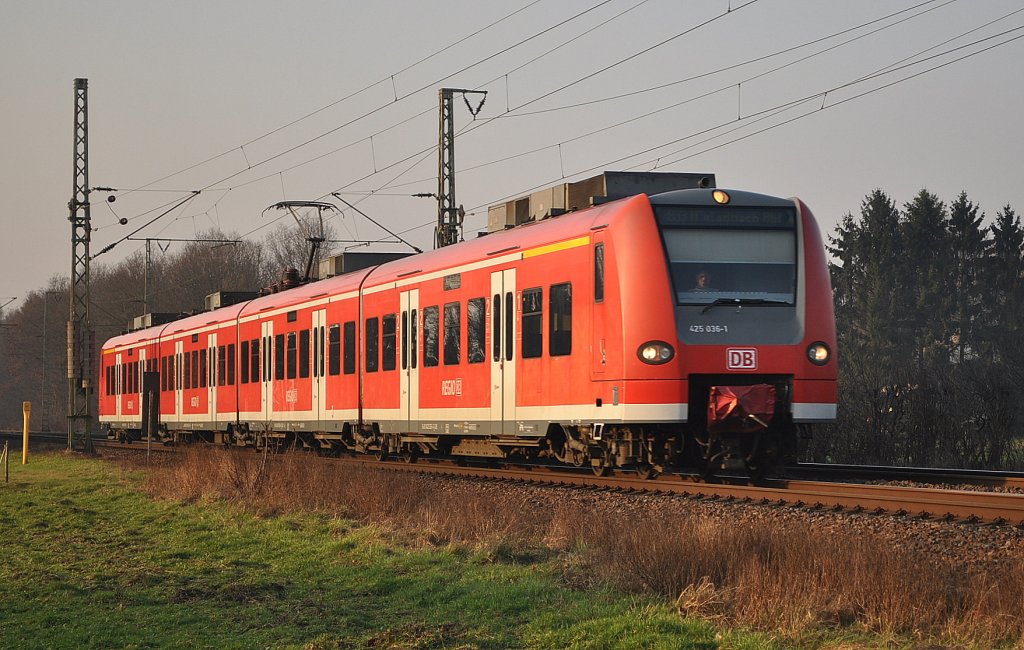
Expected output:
(922, 502)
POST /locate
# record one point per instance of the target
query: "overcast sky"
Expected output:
(769, 95)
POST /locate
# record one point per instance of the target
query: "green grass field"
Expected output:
(89, 561)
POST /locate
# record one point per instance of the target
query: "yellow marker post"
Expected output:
(26, 408)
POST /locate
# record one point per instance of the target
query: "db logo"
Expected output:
(741, 359)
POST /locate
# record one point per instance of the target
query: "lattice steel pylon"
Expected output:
(80, 335)
(449, 217)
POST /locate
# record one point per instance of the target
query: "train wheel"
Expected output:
(601, 470)
(645, 471)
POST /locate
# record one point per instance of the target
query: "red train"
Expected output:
(678, 329)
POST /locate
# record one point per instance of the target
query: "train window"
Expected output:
(412, 337)
(389, 342)
(476, 330)
(334, 350)
(231, 364)
(292, 356)
(496, 326)
(195, 368)
(293, 316)
(323, 345)
(510, 324)
(755, 263)
(244, 358)
(372, 344)
(163, 373)
(254, 361)
(430, 337)
(533, 323)
(172, 371)
(303, 354)
(452, 327)
(560, 320)
(405, 346)
(187, 371)
(350, 348)
(599, 272)
(279, 356)
(317, 351)
(221, 366)
(203, 372)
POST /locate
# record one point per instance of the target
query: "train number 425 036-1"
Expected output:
(709, 329)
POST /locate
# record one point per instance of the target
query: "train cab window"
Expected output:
(303, 354)
(292, 356)
(476, 330)
(533, 323)
(389, 342)
(349, 359)
(560, 320)
(599, 273)
(334, 350)
(452, 333)
(244, 358)
(372, 344)
(231, 364)
(278, 356)
(430, 337)
(731, 252)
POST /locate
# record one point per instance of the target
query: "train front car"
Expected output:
(752, 353)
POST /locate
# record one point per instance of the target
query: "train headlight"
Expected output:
(656, 352)
(818, 353)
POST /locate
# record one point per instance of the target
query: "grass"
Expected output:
(89, 561)
(239, 551)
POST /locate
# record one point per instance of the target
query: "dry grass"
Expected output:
(792, 578)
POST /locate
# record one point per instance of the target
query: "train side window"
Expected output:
(203, 371)
(245, 359)
(303, 354)
(430, 337)
(254, 361)
(195, 368)
(496, 326)
(187, 370)
(372, 344)
(334, 350)
(412, 338)
(171, 373)
(231, 364)
(222, 374)
(533, 323)
(292, 353)
(405, 346)
(350, 348)
(560, 320)
(323, 346)
(163, 374)
(278, 356)
(599, 272)
(510, 316)
(476, 330)
(389, 342)
(452, 334)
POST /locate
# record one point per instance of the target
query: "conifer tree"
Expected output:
(969, 250)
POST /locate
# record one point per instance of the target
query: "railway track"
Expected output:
(935, 503)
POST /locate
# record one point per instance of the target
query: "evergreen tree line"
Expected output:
(33, 339)
(930, 316)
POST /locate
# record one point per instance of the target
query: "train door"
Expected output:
(319, 378)
(410, 381)
(598, 345)
(266, 385)
(503, 358)
(210, 374)
(179, 347)
(118, 388)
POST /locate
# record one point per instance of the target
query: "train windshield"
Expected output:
(731, 253)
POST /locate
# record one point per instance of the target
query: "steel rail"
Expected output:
(944, 476)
